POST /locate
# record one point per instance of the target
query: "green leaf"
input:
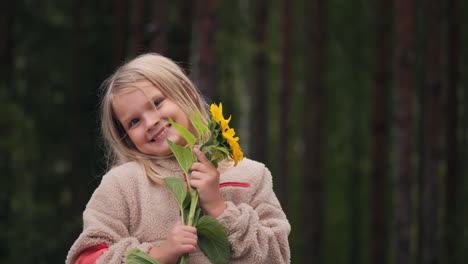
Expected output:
(212, 125)
(186, 212)
(189, 137)
(222, 149)
(212, 240)
(177, 188)
(184, 156)
(136, 256)
(198, 124)
(187, 202)
(197, 216)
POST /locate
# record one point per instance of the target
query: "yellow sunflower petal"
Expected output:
(217, 112)
(225, 124)
(237, 154)
(229, 133)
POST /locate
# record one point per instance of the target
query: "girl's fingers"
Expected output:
(201, 157)
(190, 240)
(196, 166)
(189, 229)
(195, 183)
(189, 248)
(196, 175)
(202, 167)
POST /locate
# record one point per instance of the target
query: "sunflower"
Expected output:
(217, 114)
(236, 150)
(237, 154)
(227, 132)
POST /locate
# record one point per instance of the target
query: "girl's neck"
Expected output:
(168, 163)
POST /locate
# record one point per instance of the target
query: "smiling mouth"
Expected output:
(161, 134)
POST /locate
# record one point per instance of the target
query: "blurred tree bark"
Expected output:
(137, 36)
(380, 131)
(159, 27)
(183, 32)
(119, 31)
(284, 102)
(432, 144)
(205, 72)
(314, 104)
(75, 103)
(7, 20)
(7, 16)
(453, 178)
(259, 120)
(405, 32)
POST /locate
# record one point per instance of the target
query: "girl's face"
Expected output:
(147, 121)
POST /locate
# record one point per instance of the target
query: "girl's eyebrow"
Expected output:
(126, 119)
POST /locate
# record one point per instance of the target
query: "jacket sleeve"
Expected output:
(258, 231)
(106, 220)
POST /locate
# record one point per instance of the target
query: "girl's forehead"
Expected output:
(145, 87)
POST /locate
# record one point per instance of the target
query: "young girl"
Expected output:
(132, 208)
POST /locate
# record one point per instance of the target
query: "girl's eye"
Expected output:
(158, 102)
(133, 122)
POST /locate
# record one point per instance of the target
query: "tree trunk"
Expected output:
(315, 56)
(120, 32)
(453, 174)
(7, 16)
(284, 99)
(380, 131)
(7, 20)
(205, 65)
(432, 110)
(404, 10)
(75, 103)
(183, 32)
(259, 120)
(159, 27)
(356, 187)
(137, 36)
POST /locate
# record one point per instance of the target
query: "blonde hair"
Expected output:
(172, 82)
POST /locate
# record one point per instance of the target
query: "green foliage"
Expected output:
(198, 123)
(184, 156)
(194, 209)
(191, 139)
(212, 240)
(136, 256)
(178, 189)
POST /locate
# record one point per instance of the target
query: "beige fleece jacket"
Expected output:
(128, 210)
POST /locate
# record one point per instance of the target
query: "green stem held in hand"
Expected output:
(193, 207)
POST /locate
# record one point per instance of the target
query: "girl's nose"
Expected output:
(152, 118)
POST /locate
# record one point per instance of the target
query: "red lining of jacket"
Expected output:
(234, 184)
(90, 255)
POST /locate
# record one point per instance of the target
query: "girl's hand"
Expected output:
(205, 177)
(182, 239)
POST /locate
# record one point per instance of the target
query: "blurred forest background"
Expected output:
(359, 109)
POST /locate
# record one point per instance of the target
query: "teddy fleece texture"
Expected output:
(128, 211)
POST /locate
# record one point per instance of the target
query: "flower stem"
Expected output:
(193, 206)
